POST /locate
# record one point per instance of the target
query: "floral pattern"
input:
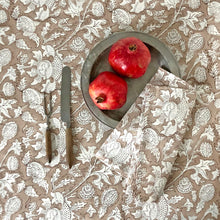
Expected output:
(171, 141)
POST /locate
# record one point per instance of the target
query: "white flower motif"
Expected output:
(45, 69)
(194, 4)
(112, 149)
(184, 185)
(214, 10)
(84, 117)
(121, 17)
(36, 171)
(159, 187)
(78, 44)
(5, 57)
(53, 214)
(97, 9)
(206, 149)
(150, 210)
(173, 37)
(25, 24)
(151, 137)
(127, 137)
(87, 191)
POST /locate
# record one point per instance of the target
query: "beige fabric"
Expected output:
(144, 145)
(37, 38)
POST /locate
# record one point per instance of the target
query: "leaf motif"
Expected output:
(5, 106)
(138, 6)
(37, 55)
(93, 27)
(20, 43)
(74, 9)
(56, 175)
(213, 210)
(175, 199)
(209, 133)
(86, 155)
(78, 205)
(170, 3)
(189, 55)
(190, 19)
(201, 168)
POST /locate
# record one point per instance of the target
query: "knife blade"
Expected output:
(65, 111)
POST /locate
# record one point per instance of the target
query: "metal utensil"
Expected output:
(65, 111)
(48, 131)
(97, 62)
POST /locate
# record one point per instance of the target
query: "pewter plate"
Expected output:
(97, 62)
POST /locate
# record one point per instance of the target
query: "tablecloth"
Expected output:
(38, 38)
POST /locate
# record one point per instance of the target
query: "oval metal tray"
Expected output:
(97, 62)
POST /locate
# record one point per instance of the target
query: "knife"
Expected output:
(65, 111)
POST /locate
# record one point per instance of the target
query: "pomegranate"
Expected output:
(108, 91)
(129, 57)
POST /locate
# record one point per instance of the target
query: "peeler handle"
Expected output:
(48, 145)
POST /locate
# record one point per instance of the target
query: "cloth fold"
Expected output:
(144, 145)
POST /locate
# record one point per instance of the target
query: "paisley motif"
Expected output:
(200, 74)
(25, 24)
(12, 205)
(121, 17)
(170, 110)
(151, 137)
(45, 69)
(3, 17)
(196, 42)
(214, 10)
(207, 192)
(32, 96)
(194, 4)
(9, 130)
(202, 116)
(109, 197)
(97, 9)
(12, 163)
(53, 214)
(36, 171)
(8, 89)
(5, 57)
(57, 67)
(150, 210)
(206, 149)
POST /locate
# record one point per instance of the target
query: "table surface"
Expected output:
(38, 38)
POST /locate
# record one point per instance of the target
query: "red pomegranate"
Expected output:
(129, 57)
(108, 91)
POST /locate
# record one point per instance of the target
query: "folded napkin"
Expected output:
(144, 145)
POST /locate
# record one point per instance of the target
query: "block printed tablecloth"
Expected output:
(37, 38)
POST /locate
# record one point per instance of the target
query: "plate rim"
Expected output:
(104, 44)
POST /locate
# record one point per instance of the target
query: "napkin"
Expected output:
(144, 145)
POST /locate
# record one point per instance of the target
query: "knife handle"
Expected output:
(69, 146)
(48, 145)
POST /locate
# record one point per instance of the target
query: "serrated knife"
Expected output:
(65, 111)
